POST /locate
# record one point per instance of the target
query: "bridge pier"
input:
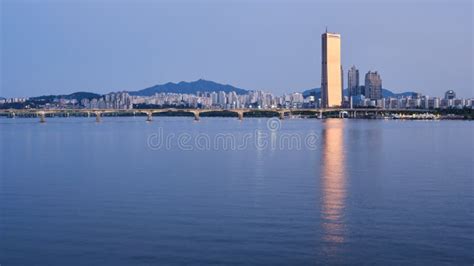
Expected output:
(196, 116)
(321, 116)
(97, 117)
(241, 115)
(281, 115)
(42, 117)
(149, 116)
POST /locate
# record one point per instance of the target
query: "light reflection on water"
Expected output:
(333, 181)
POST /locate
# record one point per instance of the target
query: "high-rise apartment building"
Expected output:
(353, 81)
(373, 85)
(331, 71)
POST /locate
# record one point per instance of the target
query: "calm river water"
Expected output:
(220, 191)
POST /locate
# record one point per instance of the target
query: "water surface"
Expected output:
(76, 192)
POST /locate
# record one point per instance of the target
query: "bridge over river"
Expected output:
(282, 113)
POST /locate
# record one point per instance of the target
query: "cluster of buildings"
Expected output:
(370, 94)
(358, 97)
(222, 100)
(201, 100)
(332, 80)
(359, 94)
(119, 100)
(13, 100)
(414, 101)
(364, 96)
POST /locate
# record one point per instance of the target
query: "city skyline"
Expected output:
(211, 95)
(41, 56)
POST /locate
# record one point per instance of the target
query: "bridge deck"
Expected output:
(200, 111)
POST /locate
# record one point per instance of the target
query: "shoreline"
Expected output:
(190, 115)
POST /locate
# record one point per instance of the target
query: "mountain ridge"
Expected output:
(193, 87)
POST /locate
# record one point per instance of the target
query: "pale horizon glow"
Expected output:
(60, 47)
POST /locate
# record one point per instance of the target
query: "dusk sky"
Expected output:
(59, 47)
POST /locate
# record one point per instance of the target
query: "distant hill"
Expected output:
(188, 88)
(76, 95)
(316, 92)
(387, 93)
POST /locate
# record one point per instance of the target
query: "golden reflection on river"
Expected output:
(333, 181)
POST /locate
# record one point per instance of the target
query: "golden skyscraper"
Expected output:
(331, 72)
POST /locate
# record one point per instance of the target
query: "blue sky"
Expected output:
(58, 47)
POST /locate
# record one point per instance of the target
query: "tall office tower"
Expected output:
(331, 71)
(353, 81)
(373, 85)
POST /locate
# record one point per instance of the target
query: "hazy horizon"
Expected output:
(56, 47)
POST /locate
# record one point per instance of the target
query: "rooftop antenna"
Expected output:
(326, 29)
